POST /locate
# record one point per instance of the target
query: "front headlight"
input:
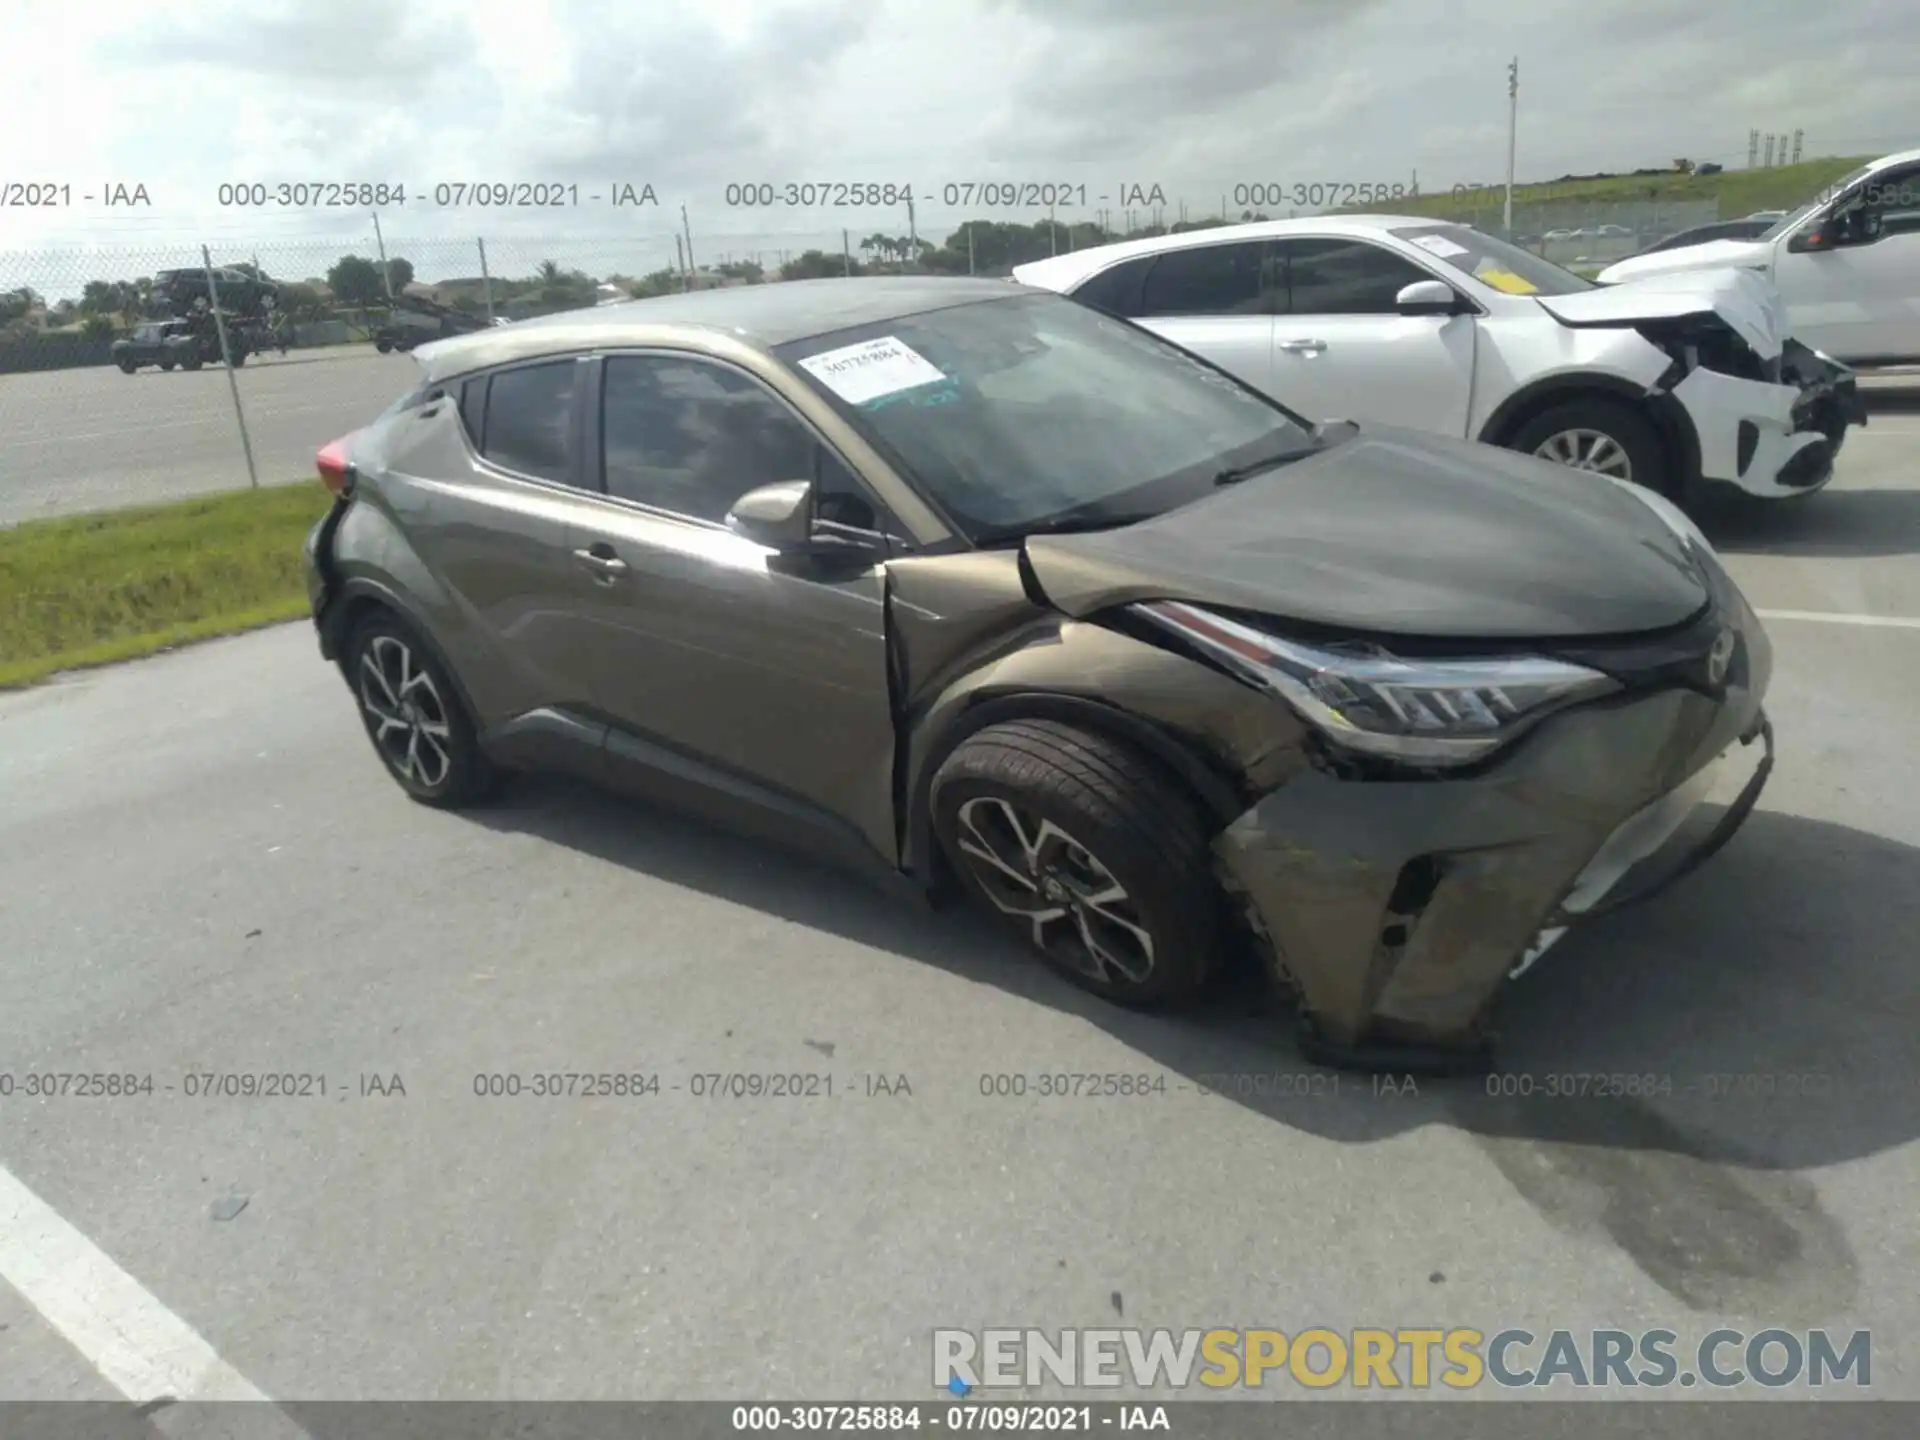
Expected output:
(1671, 515)
(1420, 712)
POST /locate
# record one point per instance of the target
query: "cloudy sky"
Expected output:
(688, 96)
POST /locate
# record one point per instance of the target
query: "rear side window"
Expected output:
(1210, 280)
(529, 420)
(1116, 291)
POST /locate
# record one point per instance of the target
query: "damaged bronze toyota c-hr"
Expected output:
(968, 582)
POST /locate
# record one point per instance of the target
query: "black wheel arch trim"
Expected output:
(1668, 414)
(1219, 794)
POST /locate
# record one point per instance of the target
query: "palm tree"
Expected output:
(549, 272)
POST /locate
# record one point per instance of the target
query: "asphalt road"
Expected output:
(94, 439)
(203, 869)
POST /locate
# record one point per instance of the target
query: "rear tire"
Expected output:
(127, 367)
(166, 364)
(414, 716)
(385, 347)
(1598, 433)
(1096, 857)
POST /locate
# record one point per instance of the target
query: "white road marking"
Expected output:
(138, 1345)
(1824, 617)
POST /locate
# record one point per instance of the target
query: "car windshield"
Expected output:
(1494, 263)
(1797, 217)
(1036, 412)
(150, 332)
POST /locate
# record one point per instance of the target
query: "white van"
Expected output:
(1847, 264)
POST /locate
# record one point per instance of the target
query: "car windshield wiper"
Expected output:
(1234, 474)
(1063, 525)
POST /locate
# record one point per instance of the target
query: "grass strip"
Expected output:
(93, 589)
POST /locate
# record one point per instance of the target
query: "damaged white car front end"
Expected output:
(1763, 412)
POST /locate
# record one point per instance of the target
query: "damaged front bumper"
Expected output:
(1397, 909)
(1778, 436)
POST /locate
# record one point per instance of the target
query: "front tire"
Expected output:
(385, 347)
(127, 367)
(166, 364)
(1600, 434)
(1095, 856)
(414, 716)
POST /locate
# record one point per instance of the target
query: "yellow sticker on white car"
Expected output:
(1506, 281)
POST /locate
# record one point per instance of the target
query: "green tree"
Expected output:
(98, 327)
(813, 265)
(660, 282)
(400, 272)
(301, 303)
(355, 280)
(101, 297)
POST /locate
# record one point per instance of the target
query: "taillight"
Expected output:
(336, 470)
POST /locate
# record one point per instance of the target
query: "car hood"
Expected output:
(1394, 532)
(1748, 302)
(1712, 255)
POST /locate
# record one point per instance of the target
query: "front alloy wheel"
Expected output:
(415, 718)
(1096, 856)
(1078, 915)
(1601, 433)
(1588, 450)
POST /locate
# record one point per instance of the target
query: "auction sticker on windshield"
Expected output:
(1506, 281)
(1439, 245)
(871, 369)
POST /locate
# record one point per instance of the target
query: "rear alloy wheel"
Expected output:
(1097, 858)
(1598, 434)
(414, 717)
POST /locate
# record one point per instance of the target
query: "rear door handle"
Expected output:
(600, 560)
(1303, 347)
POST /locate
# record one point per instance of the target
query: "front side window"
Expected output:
(691, 437)
(529, 420)
(1039, 412)
(1345, 277)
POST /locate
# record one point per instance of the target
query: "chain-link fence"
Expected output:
(1580, 234)
(129, 374)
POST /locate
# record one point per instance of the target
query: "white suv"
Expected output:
(1847, 264)
(1676, 384)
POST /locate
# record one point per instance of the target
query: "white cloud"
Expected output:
(691, 95)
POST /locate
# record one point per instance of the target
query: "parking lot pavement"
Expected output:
(93, 439)
(202, 871)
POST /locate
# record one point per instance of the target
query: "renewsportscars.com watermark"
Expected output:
(1392, 1359)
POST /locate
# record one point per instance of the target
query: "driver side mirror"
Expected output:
(778, 516)
(781, 517)
(1428, 297)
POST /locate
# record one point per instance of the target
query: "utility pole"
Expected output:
(913, 233)
(1513, 130)
(386, 275)
(846, 255)
(687, 226)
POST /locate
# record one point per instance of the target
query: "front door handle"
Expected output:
(1303, 347)
(600, 560)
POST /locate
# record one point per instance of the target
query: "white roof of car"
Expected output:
(1063, 272)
